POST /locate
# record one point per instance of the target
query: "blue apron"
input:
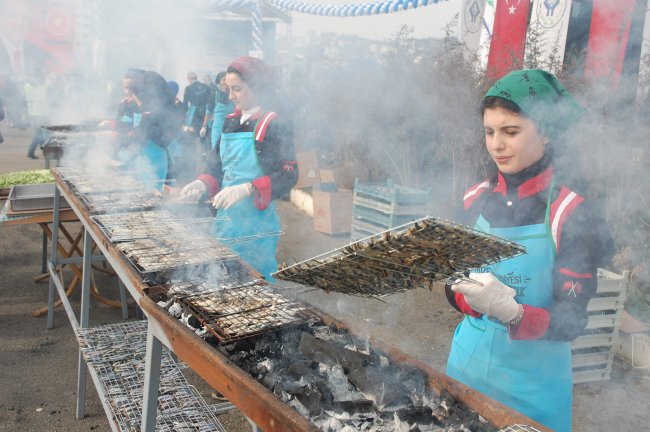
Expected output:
(240, 165)
(218, 118)
(533, 377)
(148, 161)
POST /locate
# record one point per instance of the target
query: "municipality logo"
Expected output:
(473, 15)
(550, 12)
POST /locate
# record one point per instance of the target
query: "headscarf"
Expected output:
(151, 89)
(134, 73)
(173, 88)
(541, 97)
(255, 72)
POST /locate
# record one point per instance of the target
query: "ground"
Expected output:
(39, 366)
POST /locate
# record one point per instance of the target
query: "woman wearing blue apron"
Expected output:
(146, 153)
(522, 313)
(222, 107)
(252, 164)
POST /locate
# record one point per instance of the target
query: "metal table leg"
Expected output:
(83, 321)
(53, 256)
(151, 382)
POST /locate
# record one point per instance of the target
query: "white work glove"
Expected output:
(231, 195)
(193, 191)
(203, 131)
(489, 296)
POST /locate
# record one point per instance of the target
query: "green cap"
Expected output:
(541, 97)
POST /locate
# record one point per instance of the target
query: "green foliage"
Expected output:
(26, 177)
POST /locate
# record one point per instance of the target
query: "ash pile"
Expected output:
(344, 385)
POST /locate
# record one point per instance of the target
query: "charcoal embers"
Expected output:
(322, 373)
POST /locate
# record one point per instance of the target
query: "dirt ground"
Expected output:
(39, 366)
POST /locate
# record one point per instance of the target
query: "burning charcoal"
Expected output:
(382, 388)
(301, 368)
(324, 352)
(330, 424)
(295, 404)
(416, 415)
(310, 397)
(356, 406)
(270, 380)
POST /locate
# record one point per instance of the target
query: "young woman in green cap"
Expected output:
(521, 314)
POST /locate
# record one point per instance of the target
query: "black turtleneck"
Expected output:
(515, 207)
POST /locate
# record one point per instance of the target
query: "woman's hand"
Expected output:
(487, 295)
(231, 195)
(193, 191)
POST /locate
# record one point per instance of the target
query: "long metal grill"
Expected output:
(233, 312)
(109, 191)
(184, 249)
(116, 354)
(120, 227)
(406, 257)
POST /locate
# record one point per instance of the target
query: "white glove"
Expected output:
(231, 195)
(193, 191)
(489, 296)
(203, 131)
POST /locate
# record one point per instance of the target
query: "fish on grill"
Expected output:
(406, 257)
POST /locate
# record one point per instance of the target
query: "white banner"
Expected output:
(471, 23)
(487, 26)
(550, 19)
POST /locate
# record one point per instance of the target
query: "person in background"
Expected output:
(195, 99)
(522, 313)
(205, 134)
(36, 97)
(252, 164)
(222, 107)
(127, 110)
(146, 154)
(175, 148)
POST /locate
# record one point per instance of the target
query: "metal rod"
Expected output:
(83, 320)
(125, 306)
(151, 382)
(53, 257)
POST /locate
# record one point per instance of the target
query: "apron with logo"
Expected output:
(245, 221)
(531, 376)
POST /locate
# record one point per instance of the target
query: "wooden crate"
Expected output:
(593, 351)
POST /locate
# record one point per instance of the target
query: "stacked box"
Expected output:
(377, 207)
(593, 351)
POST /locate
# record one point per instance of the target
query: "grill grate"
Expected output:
(120, 227)
(116, 353)
(403, 258)
(233, 311)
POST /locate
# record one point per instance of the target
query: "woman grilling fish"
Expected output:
(252, 164)
(521, 314)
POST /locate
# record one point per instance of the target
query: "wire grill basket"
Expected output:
(406, 257)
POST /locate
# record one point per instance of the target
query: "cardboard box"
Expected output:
(342, 175)
(332, 212)
(308, 172)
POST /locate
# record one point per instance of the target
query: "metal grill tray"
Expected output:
(116, 354)
(237, 312)
(405, 257)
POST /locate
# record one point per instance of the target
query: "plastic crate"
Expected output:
(392, 198)
(593, 351)
(383, 220)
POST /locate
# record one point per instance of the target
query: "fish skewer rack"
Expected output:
(378, 207)
(115, 355)
(593, 351)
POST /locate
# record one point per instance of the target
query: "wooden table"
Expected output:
(70, 252)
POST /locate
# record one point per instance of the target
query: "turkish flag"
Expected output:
(608, 37)
(508, 37)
